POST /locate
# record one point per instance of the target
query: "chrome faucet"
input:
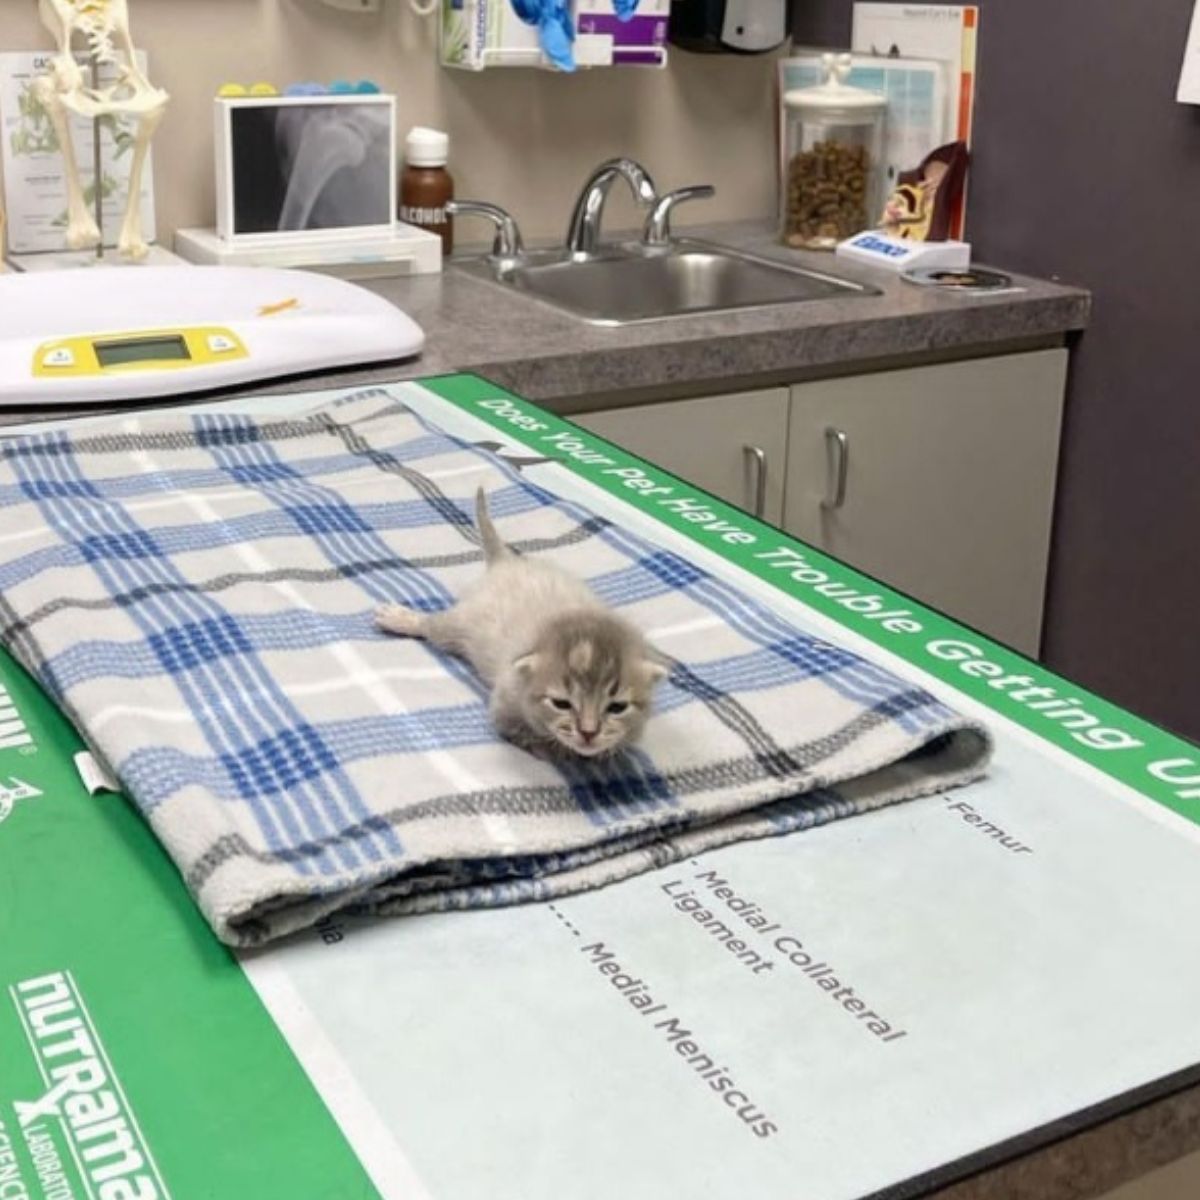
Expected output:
(657, 230)
(583, 234)
(508, 250)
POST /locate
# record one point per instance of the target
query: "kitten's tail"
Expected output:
(493, 547)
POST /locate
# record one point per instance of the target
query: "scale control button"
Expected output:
(59, 358)
(218, 343)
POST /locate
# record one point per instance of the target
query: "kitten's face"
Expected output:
(588, 685)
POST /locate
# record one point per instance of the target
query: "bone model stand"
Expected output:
(104, 24)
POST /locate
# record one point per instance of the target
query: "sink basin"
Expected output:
(628, 284)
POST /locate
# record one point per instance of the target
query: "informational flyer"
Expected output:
(946, 32)
(1189, 76)
(35, 187)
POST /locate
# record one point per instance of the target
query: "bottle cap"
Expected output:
(426, 147)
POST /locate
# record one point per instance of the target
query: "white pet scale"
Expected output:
(110, 334)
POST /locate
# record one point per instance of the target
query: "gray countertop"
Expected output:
(548, 356)
(544, 354)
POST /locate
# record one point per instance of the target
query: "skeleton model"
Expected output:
(104, 26)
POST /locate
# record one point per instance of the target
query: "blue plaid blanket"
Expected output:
(196, 592)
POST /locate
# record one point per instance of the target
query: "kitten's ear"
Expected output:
(655, 667)
(526, 665)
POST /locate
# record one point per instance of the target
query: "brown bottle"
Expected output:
(425, 184)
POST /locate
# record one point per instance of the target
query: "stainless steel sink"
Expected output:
(629, 283)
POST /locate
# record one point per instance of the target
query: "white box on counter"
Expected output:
(900, 254)
(406, 250)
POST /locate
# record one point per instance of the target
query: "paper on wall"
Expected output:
(1189, 77)
(35, 186)
(946, 32)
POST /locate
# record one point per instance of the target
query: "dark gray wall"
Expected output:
(1087, 170)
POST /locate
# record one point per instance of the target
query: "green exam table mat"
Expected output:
(867, 1008)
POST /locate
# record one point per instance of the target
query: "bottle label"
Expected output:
(415, 215)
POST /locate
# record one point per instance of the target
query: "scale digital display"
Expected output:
(156, 349)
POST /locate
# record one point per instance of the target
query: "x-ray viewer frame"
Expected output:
(236, 180)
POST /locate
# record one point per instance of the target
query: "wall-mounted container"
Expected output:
(476, 34)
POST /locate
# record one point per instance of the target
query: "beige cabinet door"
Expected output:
(733, 446)
(938, 480)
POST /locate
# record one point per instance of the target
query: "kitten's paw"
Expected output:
(395, 618)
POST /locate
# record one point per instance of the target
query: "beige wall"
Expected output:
(524, 139)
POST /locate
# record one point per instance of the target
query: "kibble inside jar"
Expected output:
(826, 194)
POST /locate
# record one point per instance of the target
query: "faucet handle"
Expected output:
(657, 231)
(507, 247)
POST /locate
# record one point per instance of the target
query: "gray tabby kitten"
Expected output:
(565, 671)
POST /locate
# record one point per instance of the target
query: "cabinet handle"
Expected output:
(838, 445)
(759, 456)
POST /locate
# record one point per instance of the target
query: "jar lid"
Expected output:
(426, 147)
(834, 92)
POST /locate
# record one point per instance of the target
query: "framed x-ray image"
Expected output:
(291, 167)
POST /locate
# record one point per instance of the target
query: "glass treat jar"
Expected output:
(833, 174)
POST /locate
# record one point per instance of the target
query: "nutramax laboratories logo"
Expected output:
(82, 1126)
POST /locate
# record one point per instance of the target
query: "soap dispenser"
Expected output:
(728, 26)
